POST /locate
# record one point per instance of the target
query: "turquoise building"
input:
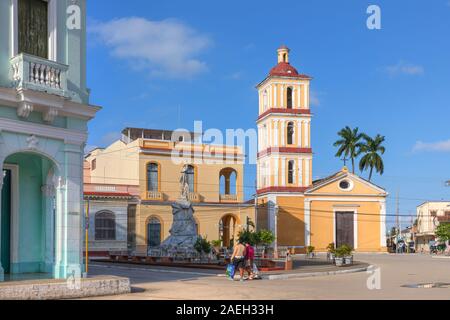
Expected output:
(44, 111)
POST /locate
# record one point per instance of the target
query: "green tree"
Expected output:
(443, 232)
(350, 144)
(373, 149)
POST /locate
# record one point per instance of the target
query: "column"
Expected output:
(275, 96)
(283, 172)
(300, 172)
(270, 98)
(307, 165)
(306, 134)
(275, 132)
(2, 277)
(299, 94)
(307, 222)
(299, 133)
(305, 96)
(276, 173)
(282, 96)
(69, 221)
(283, 133)
(48, 194)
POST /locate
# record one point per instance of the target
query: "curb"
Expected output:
(315, 274)
(441, 257)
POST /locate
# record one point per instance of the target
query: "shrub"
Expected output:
(216, 243)
(331, 248)
(443, 232)
(343, 251)
(202, 245)
(310, 249)
(266, 237)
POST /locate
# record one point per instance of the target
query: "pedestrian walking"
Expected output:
(249, 260)
(238, 258)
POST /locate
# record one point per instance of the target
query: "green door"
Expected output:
(6, 221)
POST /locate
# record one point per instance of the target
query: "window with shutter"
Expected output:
(33, 27)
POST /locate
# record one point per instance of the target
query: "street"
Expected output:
(396, 271)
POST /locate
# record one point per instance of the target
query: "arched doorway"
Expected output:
(154, 232)
(28, 206)
(228, 230)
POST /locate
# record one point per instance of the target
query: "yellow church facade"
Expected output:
(341, 209)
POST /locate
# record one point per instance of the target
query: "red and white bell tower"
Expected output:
(284, 162)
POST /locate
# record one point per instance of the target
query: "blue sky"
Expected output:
(166, 64)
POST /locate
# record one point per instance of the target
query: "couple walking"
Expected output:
(243, 260)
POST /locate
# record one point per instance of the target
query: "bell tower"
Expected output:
(284, 162)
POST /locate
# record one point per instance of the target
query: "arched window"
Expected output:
(105, 226)
(154, 232)
(290, 97)
(152, 177)
(190, 172)
(291, 172)
(265, 100)
(290, 133)
(228, 179)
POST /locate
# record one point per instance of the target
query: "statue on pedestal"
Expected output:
(183, 233)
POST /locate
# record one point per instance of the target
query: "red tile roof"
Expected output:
(284, 69)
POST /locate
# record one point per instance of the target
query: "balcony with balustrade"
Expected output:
(228, 198)
(35, 73)
(155, 196)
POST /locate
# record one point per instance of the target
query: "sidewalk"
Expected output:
(318, 266)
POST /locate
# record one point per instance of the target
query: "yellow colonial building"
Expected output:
(151, 162)
(342, 208)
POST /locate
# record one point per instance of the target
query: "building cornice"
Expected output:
(268, 190)
(285, 112)
(285, 150)
(68, 136)
(50, 105)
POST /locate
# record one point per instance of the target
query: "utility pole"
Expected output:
(275, 251)
(256, 206)
(397, 222)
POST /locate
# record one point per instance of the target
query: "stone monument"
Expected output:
(183, 233)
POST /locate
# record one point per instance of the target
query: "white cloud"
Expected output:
(166, 48)
(440, 146)
(404, 68)
(235, 76)
(314, 99)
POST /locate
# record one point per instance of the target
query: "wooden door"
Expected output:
(345, 228)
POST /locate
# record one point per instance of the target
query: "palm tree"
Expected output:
(372, 159)
(350, 145)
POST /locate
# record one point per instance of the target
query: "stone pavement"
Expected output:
(394, 271)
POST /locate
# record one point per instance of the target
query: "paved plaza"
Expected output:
(396, 272)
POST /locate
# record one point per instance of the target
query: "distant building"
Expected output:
(429, 216)
(142, 171)
(109, 206)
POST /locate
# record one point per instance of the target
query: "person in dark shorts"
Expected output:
(238, 258)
